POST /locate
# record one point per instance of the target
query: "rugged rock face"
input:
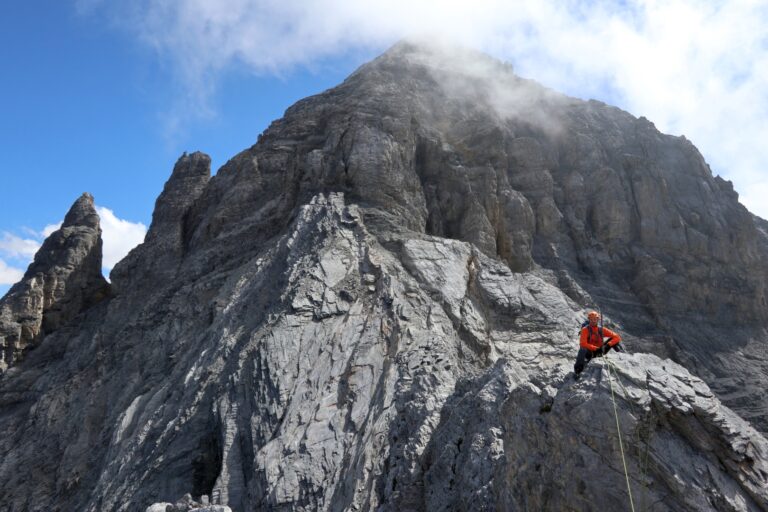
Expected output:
(64, 279)
(678, 441)
(375, 307)
(164, 246)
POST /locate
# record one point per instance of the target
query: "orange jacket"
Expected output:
(591, 340)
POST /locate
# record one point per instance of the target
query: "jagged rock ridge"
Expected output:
(375, 306)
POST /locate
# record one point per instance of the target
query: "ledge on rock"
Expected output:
(534, 440)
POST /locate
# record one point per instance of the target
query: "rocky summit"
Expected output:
(376, 307)
(64, 280)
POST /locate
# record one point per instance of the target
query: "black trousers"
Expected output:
(584, 355)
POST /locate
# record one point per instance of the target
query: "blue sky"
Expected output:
(84, 107)
(104, 95)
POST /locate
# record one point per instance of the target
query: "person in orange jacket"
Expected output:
(592, 342)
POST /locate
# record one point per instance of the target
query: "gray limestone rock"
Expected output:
(166, 241)
(539, 441)
(63, 280)
(188, 504)
(376, 307)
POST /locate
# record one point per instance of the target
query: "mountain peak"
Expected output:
(82, 213)
(377, 305)
(63, 280)
(439, 52)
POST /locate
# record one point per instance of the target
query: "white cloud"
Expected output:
(694, 68)
(9, 275)
(15, 247)
(119, 236)
(50, 228)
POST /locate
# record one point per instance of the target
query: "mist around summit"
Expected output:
(377, 305)
(693, 68)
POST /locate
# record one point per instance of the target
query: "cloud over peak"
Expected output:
(693, 68)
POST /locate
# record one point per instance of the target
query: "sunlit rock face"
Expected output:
(376, 307)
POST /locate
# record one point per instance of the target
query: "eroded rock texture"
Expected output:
(375, 308)
(64, 279)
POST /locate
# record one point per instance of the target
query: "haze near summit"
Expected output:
(693, 68)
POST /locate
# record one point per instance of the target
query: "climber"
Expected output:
(592, 342)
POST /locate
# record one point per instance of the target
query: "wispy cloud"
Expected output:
(9, 275)
(50, 228)
(13, 246)
(694, 68)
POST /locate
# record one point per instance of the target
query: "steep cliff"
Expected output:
(64, 279)
(375, 307)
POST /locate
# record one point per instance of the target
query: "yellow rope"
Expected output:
(649, 431)
(621, 444)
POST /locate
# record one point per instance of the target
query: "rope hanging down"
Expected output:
(647, 441)
(643, 460)
(616, 415)
(621, 444)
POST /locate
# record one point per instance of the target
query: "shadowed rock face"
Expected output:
(158, 258)
(64, 279)
(375, 307)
